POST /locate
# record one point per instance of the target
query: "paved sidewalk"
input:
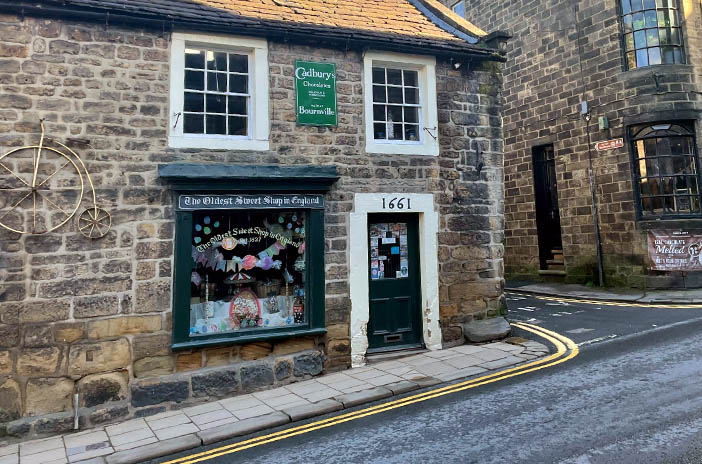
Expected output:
(629, 295)
(138, 440)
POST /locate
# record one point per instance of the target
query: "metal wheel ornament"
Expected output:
(94, 222)
(42, 188)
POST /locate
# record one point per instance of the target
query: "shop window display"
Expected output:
(248, 271)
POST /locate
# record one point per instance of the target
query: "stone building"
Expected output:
(637, 66)
(201, 198)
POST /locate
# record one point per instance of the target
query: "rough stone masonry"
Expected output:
(94, 316)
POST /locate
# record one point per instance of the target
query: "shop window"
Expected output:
(219, 92)
(652, 32)
(400, 100)
(247, 266)
(666, 170)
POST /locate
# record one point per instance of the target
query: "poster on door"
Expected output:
(675, 250)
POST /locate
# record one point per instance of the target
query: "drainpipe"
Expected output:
(595, 214)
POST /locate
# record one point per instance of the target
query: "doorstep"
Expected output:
(137, 440)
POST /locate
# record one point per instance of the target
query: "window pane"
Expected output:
(379, 131)
(664, 35)
(636, 5)
(238, 125)
(412, 96)
(627, 23)
(652, 37)
(651, 18)
(394, 76)
(394, 94)
(412, 114)
(411, 132)
(629, 41)
(638, 21)
(395, 131)
(411, 78)
(216, 82)
(379, 112)
(193, 123)
(648, 4)
(640, 39)
(217, 61)
(395, 113)
(641, 58)
(631, 60)
(195, 80)
(379, 75)
(379, 94)
(194, 59)
(654, 56)
(238, 83)
(626, 6)
(239, 284)
(675, 36)
(238, 105)
(668, 56)
(194, 102)
(216, 124)
(216, 104)
(238, 63)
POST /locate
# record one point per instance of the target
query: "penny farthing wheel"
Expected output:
(41, 187)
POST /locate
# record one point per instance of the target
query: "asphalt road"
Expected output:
(632, 395)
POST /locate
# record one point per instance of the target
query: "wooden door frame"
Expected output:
(428, 224)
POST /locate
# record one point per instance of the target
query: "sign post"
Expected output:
(315, 91)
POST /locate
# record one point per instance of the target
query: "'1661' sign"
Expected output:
(676, 250)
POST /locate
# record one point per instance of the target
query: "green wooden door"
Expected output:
(394, 287)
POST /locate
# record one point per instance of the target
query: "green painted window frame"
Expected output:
(189, 179)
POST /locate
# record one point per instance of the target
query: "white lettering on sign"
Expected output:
(397, 203)
(609, 144)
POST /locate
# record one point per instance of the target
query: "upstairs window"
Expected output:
(219, 92)
(400, 104)
(666, 169)
(652, 33)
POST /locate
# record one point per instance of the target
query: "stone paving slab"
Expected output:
(627, 295)
(136, 440)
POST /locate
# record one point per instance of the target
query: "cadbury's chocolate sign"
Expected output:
(675, 250)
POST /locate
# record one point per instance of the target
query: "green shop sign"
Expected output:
(315, 89)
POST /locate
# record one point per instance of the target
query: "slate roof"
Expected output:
(414, 22)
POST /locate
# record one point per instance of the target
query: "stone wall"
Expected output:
(94, 316)
(547, 74)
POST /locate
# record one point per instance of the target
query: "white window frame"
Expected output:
(259, 132)
(428, 143)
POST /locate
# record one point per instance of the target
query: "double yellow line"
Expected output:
(565, 349)
(613, 303)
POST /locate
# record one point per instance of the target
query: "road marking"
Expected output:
(579, 331)
(599, 339)
(615, 303)
(566, 349)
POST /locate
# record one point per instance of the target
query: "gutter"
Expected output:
(302, 33)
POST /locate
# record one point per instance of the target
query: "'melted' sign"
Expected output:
(315, 89)
(675, 250)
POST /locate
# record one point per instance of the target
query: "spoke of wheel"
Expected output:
(12, 172)
(85, 226)
(54, 173)
(54, 204)
(90, 234)
(15, 205)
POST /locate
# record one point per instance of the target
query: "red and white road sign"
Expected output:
(609, 144)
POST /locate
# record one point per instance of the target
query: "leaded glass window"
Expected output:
(666, 168)
(396, 105)
(217, 92)
(652, 33)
